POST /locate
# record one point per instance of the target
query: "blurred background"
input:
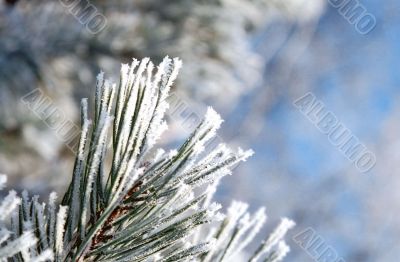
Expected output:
(249, 59)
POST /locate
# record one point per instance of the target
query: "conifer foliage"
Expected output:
(131, 201)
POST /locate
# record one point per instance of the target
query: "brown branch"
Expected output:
(102, 236)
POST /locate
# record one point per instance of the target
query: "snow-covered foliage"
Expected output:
(148, 204)
(18, 241)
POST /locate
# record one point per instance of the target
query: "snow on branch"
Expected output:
(147, 204)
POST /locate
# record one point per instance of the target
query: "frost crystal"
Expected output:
(147, 205)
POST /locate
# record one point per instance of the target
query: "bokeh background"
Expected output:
(249, 59)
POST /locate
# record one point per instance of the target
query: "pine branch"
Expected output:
(149, 204)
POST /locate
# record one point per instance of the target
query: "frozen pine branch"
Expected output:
(19, 241)
(148, 205)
